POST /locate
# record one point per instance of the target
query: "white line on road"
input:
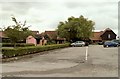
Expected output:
(86, 53)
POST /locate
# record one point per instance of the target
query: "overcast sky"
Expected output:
(44, 15)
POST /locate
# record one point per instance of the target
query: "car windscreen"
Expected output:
(107, 42)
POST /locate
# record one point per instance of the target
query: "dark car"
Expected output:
(86, 44)
(100, 43)
(110, 44)
(117, 41)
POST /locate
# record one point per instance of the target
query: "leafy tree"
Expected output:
(17, 32)
(76, 28)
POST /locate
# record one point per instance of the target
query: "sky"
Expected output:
(43, 15)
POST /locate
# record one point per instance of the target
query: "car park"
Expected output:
(110, 44)
(78, 43)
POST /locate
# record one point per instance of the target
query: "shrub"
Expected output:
(5, 40)
(17, 45)
(6, 53)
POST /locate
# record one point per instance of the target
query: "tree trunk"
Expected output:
(14, 45)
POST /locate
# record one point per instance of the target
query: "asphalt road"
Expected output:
(67, 62)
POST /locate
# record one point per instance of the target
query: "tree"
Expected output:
(17, 32)
(76, 28)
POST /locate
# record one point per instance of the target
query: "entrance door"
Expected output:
(38, 41)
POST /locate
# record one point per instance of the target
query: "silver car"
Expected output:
(78, 43)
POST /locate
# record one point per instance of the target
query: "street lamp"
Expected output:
(69, 30)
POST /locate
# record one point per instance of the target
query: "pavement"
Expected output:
(67, 62)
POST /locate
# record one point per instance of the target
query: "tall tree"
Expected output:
(17, 32)
(76, 28)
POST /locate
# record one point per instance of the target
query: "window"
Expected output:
(109, 36)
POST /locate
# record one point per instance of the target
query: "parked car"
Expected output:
(78, 43)
(117, 41)
(86, 44)
(110, 44)
(100, 43)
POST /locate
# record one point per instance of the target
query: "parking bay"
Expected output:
(67, 62)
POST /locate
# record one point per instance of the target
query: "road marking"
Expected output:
(86, 53)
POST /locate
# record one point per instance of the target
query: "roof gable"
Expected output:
(106, 30)
(98, 35)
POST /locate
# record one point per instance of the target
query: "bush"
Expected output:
(6, 40)
(17, 45)
(6, 53)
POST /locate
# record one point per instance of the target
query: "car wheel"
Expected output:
(82, 45)
(104, 46)
(107, 46)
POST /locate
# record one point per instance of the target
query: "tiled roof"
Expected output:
(96, 36)
(35, 32)
(51, 34)
(107, 29)
(2, 34)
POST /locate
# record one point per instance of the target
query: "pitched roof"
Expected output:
(35, 32)
(96, 36)
(107, 29)
(51, 34)
(2, 34)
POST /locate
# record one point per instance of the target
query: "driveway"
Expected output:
(67, 62)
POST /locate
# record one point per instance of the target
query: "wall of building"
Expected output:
(31, 40)
(43, 42)
(108, 35)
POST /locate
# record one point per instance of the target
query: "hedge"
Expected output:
(7, 53)
(17, 45)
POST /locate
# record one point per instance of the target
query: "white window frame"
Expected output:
(109, 36)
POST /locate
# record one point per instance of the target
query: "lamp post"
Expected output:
(69, 30)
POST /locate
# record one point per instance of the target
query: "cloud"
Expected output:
(15, 7)
(103, 13)
(21, 7)
(46, 14)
